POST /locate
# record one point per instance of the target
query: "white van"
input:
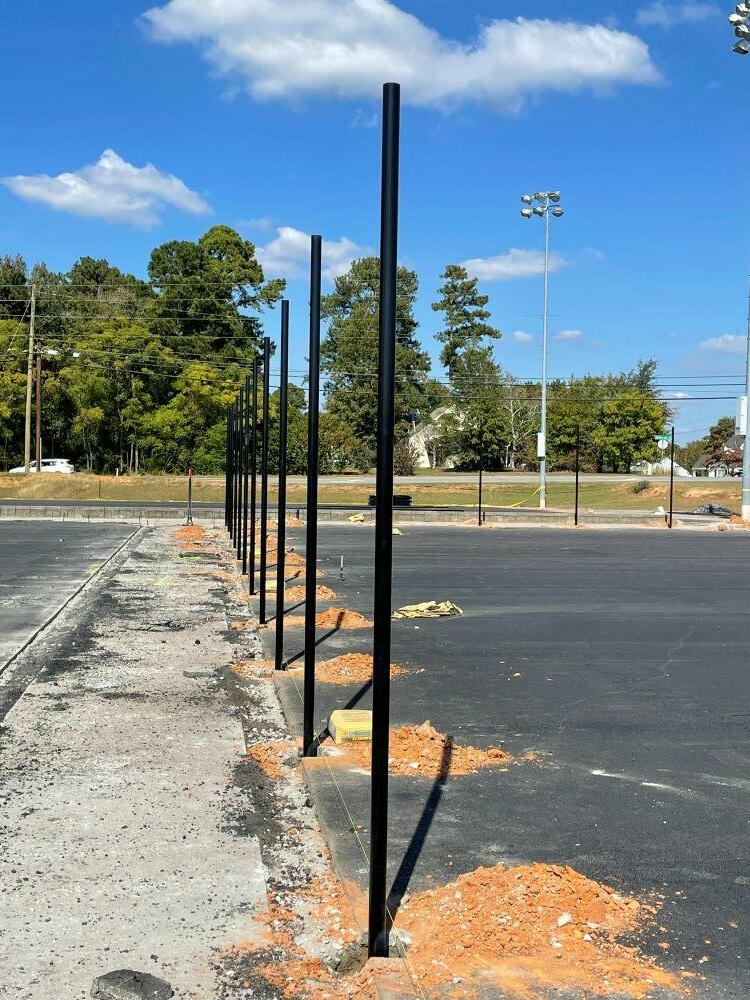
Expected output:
(49, 465)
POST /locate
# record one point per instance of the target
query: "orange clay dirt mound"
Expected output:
(294, 559)
(298, 593)
(532, 929)
(299, 574)
(333, 618)
(423, 751)
(191, 533)
(350, 668)
(272, 758)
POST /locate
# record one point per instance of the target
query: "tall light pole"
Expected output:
(740, 21)
(543, 205)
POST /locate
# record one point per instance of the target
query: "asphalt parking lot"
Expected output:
(42, 566)
(622, 658)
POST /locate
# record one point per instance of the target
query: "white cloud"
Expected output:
(521, 337)
(514, 264)
(661, 14)
(110, 189)
(288, 255)
(569, 335)
(727, 344)
(348, 48)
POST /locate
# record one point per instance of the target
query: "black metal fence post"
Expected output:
(236, 486)
(378, 929)
(245, 470)
(264, 480)
(240, 467)
(578, 472)
(671, 483)
(228, 469)
(190, 497)
(230, 473)
(253, 476)
(311, 547)
(281, 505)
(481, 475)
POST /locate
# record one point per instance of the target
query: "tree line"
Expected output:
(137, 374)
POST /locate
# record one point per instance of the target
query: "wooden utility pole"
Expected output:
(29, 381)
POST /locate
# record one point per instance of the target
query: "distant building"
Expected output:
(661, 468)
(728, 463)
(423, 439)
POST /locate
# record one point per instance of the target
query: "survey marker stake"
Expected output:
(281, 506)
(381, 678)
(264, 480)
(311, 544)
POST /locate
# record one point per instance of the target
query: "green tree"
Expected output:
(718, 435)
(204, 290)
(465, 325)
(349, 353)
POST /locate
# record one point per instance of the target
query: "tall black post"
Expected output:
(481, 475)
(228, 471)
(671, 484)
(236, 484)
(245, 470)
(253, 475)
(264, 480)
(578, 471)
(232, 422)
(311, 548)
(281, 506)
(190, 498)
(240, 467)
(378, 929)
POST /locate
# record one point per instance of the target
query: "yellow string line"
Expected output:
(353, 827)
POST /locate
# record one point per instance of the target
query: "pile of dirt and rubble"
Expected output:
(194, 538)
(424, 752)
(273, 758)
(299, 593)
(530, 929)
(299, 574)
(333, 618)
(350, 668)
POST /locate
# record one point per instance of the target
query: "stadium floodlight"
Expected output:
(743, 9)
(742, 31)
(742, 48)
(548, 208)
(737, 19)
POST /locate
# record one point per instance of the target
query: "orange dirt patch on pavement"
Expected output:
(529, 930)
(272, 757)
(293, 558)
(350, 668)
(333, 618)
(421, 751)
(191, 533)
(298, 593)
(299, 574)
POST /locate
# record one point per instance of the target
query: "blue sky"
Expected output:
(264, 115)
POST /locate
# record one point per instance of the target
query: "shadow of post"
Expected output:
(413, 851)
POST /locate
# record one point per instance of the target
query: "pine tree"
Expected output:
(465, 325)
